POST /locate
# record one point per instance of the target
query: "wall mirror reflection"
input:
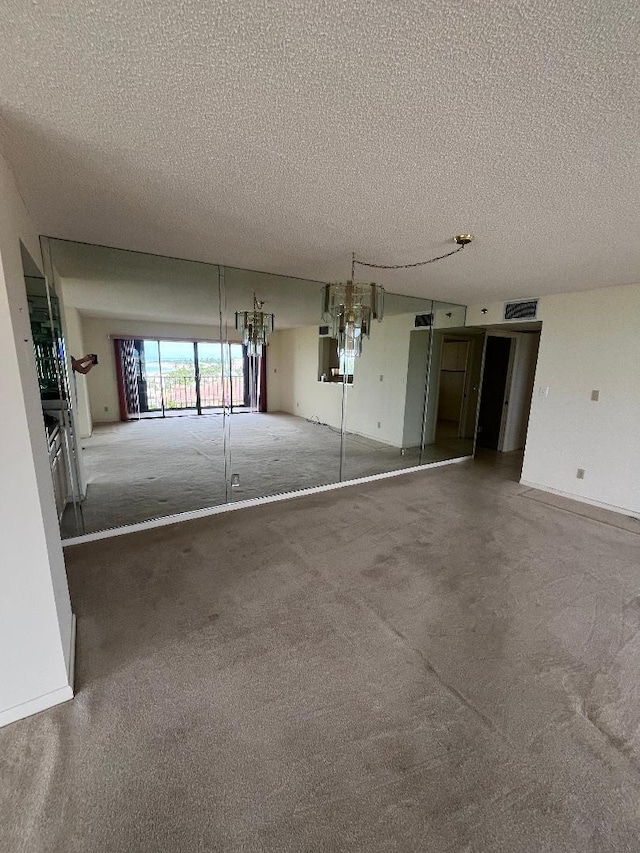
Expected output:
(397, 404)
(152, 327)
(192, 385)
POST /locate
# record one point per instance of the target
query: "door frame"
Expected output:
(516, 336)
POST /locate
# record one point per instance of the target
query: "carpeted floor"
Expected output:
(158, 467)
(428, 663)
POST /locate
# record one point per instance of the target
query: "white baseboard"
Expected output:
(47, 700)
(71, 668)
(581, 499)
(33, 706)
(249, 502)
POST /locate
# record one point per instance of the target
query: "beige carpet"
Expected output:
(153, 468)
(429, 663)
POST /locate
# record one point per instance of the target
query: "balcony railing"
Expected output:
(180, 392)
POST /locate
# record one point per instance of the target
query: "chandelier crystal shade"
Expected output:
(255, 326)
(349, 308)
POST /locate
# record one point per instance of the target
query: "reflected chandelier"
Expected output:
(255, 326)
(349, 308)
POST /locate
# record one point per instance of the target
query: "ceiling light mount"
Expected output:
(463, 239)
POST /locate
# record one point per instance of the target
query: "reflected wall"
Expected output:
(177, 415)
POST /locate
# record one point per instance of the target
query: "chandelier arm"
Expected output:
(401, 266)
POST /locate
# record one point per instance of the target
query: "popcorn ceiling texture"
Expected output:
(282, 135)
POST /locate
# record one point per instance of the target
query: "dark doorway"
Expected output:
(494, 383)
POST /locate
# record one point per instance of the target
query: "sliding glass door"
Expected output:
(162, 378)
(178, 374)
(219, 387)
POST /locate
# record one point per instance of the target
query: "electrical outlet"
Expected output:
(235, 479)
(382, 377)
(106, 408)
(378, 424)
(595, 396)
(297, 405)
(580, 474)
(543, 391)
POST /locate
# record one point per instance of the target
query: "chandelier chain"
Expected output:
(405, 266)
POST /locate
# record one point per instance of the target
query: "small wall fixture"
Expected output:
(484, 310)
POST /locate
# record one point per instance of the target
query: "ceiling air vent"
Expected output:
(423, 320)
(526, 309)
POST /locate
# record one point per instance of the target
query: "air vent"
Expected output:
(423, 320)
(523, 310)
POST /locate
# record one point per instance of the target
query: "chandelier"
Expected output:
(349, 308)
(255, 326)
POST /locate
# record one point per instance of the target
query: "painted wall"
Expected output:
(375, 405)
(292, 378)
(35, 611)
(80, 382)
(589, 341)
(376, 401)
(520, 391)
(433, 386)
(419, 345)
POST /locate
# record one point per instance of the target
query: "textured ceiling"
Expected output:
(283, 135)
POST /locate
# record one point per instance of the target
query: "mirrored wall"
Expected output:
(173, 386)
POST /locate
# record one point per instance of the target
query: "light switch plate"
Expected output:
(595, 396)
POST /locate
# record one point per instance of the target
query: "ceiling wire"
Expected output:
(355, 262)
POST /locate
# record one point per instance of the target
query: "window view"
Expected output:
(161, 378)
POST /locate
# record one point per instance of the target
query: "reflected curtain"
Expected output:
(127, 375)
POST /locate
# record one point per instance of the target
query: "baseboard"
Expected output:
(249, 502)
(34, 706)
(47, 700)
(571, 496)
(71, 668)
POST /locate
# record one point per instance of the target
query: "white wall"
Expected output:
(79, 382)
(292, 378)
(433, 389)
(589, 341)
(293, 386)
(520, 390)
(35, 611)
(419, 345)
(376, 401)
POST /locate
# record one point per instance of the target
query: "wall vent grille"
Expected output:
(423, 320)
(526, 309)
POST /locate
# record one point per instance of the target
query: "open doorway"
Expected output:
(507, 388)
(460, 368)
